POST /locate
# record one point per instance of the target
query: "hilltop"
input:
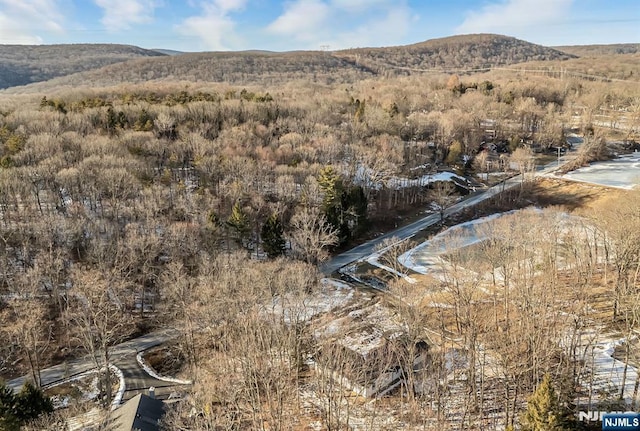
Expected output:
(263, 67)
(598, 50)
(25, 64)
(466, 52)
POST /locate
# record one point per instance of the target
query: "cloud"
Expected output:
(301, 19)
(510, 16)
(122, 14)
(359, 5)
(385, 30)
(25, 21)
(343, 23)
(214, 27)
(230, 5)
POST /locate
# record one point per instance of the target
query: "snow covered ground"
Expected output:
(425, 258)
(367, 178)
(607, 372)
(149, 370)
(623, 172)
(332, 293)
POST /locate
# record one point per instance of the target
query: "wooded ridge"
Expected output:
(24, 64)
(105, 64)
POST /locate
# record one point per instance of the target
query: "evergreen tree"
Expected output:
(356, 204)
(27, 405)
(544, 412)
(344, 208)
(331, 185)
(31, 402)
(8, 418)
(332, 203)
(239, 222)
(272, 232)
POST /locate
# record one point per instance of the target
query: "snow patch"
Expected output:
(608, 372)
(332, 293)
(366, 177)
(425, 258)
(147, 369)
(622, 173)
(118, 397)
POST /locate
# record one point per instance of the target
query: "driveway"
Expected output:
(123, 356)
(363, 250)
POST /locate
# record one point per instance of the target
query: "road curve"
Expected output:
(363, 250)
(123, 354)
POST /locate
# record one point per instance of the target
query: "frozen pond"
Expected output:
(623, 172)
(425, 258)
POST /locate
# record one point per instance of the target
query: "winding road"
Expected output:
(363, 250)
(123, 356)
(138, 380)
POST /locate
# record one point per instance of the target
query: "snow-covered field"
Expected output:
(367, 178)
(332, 293)
(425, 258)
(623, 172)
(608, 373)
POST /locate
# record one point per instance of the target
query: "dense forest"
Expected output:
(22, 64)
(596, 50)
(207, 207)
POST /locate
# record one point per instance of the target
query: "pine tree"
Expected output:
(332, 203)
(544, 412)
(345, 208)
(31, 402)
(355, 203)
(19, 409)
(272, 236)
(331, 185)
(239, 222)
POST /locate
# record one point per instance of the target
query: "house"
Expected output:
(367, 347)
(140, 413)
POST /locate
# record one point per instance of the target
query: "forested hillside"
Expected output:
(206, 208)
(242, 68)
(24, 64)
(267, 68)
(597, 50)
(456, 52)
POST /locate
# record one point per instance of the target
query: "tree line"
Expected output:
(114, 203)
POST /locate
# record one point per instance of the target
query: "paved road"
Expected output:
(138, 381)
(122, 355)
(364, 250)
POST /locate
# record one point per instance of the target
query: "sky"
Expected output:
(277, 25)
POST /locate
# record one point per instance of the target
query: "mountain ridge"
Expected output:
(118, 64)
(25, 64)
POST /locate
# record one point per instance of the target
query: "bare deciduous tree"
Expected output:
(99, 319)
(312, 235)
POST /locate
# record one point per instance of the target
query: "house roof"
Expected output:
(140, 413)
